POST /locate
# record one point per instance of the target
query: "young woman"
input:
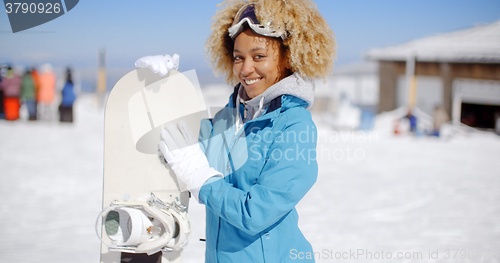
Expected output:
(256, 159)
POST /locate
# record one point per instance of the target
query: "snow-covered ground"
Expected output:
(376, 194)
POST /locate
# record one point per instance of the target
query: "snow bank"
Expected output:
(374, 192)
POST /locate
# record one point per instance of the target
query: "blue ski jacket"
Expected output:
(269, 164)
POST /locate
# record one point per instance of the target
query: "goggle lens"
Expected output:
(248, 11)
(247, 15)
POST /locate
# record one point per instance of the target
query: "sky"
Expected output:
(129, 30)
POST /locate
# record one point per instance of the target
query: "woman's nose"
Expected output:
(247, 67)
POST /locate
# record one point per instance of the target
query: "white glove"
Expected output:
(159, 64)
(183, 153)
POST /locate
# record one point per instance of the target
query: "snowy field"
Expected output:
(377, 195)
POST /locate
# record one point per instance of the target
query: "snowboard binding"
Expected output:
(144, 227)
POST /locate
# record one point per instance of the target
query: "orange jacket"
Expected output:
(47, 87)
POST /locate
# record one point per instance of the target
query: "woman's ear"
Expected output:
(286, 62)
(285, 58)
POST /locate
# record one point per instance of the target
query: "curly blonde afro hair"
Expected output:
(310, 45)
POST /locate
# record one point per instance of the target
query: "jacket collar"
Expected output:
(276, 106)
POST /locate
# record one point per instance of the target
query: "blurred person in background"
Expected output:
(46, 91)
(440, 117)
(413, 121)
(68, 98)
(28, 94)
(3, 71)
(36, 81)
(11, 87)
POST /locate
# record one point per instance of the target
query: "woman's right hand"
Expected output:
(161, 64)
(182, 152)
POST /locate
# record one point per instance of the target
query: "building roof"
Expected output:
(361, 68)
(479, 44)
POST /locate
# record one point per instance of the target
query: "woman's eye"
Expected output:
(259, 56)
(237, 59)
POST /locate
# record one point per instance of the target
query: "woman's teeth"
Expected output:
(250, 82)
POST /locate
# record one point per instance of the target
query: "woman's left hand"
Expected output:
(161, 64)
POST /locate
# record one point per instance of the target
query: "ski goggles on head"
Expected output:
(247, 15)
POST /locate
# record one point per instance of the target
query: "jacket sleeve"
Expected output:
(289, 171)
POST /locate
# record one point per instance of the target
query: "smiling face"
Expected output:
(258, 62)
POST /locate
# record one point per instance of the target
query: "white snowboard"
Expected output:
(138, 107)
